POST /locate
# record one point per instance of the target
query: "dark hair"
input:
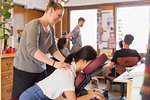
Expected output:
(121, 44)
(86, 53)
(81, 19)
(61, 42)
(53, 4)
(128, 39)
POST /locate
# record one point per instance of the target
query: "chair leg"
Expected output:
(122, 92)
(110, 88)
(122, 89)
(123, 98)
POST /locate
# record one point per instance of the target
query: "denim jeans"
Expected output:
(33, 93)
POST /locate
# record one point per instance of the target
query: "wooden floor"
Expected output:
(113, 95)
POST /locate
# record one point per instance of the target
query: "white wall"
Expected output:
(21, 2)
(88, 31)
(41, 4)
(32, 4)
(92, 2)
(135, 24)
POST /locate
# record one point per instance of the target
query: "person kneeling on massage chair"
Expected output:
(62, 81)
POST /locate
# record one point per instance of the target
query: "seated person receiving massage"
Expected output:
(62, 81)
(124, 52)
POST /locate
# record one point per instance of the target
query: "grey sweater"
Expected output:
(33, 38)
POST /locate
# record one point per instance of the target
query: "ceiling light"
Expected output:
(65, 1)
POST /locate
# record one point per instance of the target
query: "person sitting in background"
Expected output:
(62, 46)
(125, 52)
(121, 44)
(62, 81)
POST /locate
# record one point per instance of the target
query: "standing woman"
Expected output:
(30, 59)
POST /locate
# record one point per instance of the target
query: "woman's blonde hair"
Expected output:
(53, 4)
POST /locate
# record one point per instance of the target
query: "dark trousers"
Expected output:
(23, 80)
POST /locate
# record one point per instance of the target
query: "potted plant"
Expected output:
(5, 15)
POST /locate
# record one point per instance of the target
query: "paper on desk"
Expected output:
(138, 71)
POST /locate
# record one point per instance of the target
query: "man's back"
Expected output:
(125, 53)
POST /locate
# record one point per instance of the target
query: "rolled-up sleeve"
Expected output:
(32, 39)
(114, 59)
(53, 47)
(138, 55)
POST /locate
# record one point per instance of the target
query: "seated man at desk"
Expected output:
(125, 52)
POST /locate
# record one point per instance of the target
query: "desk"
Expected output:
(123, 79)
(137, 82)
(138, 76)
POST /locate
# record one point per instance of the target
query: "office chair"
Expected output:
(123, 62)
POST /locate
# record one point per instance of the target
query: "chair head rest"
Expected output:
(99, 61)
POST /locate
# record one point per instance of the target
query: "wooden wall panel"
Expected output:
(66, 21)
(32, 14)
(21, 17)
(58, 30)
(65, 24)
(18, 21)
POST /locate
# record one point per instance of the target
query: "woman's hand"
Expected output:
(61, 65)
(98, 95)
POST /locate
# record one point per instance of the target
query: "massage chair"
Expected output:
(92, 69)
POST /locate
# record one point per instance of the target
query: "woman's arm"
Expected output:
(43, 58)
(71, 96)
(58, 56)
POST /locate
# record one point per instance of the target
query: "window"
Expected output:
(88, 31)
(135, 21)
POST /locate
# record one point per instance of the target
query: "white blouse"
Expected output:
(59, 81)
